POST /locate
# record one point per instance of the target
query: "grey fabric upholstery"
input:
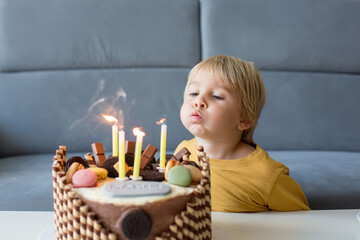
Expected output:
(288, 35)
(330, 180)
(66, 34)
(64, 63)
(310, 111)
(45, 109)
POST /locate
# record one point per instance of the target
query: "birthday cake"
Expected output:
(90, 203)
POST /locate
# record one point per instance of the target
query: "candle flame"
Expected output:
(110, 118)
(161, 121)
(137, 131)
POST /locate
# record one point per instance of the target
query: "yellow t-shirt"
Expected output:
(251, 184)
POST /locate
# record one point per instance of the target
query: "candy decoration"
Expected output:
(179, 175)
(84, 178)
(136, 224)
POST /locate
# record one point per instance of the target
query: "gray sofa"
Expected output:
(63, 63)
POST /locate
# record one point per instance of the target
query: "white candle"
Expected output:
(122, 154)
(163, 145)
(138, 147)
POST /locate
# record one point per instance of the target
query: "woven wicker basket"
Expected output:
(75, 220)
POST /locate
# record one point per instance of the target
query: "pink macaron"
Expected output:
(84, 178)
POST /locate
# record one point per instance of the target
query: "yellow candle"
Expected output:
(163, 145)
(121, 154)
(138, 147)
(115, 142)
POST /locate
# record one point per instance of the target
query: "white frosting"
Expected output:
(96, 194)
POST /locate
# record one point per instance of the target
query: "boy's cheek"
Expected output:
(183, 115)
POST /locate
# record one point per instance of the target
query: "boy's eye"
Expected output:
(216, 97)
(193, 94)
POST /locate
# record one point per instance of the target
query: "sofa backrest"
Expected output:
(89, 34)
(64, 63)
(309, 55)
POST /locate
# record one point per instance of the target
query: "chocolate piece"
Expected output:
(136, 224)
(179, 155)
(168, 157)
(129, 159)
(147, 156)
(129, 147)
(109, 166)
(149, 167)
(90, 160)
(99, 160)
(99, 154)
(76, 159)
(152, 175)
(97, 148)
(154, 165)
(129, 172)
(153, 160)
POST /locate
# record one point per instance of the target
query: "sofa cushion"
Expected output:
(26, 183)
(329, 179)
(67, 34)
(310, 111)
(284, 35)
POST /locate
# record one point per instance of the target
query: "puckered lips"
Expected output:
(196, 116)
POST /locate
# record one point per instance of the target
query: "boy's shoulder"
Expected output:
(186, 143)
(269, 163)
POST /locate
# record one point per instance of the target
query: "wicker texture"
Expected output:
(74, 219)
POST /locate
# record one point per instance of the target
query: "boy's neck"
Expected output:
(225, 150)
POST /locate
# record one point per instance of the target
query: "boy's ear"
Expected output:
(244, 125)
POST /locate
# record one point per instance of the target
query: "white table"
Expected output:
(328, 224)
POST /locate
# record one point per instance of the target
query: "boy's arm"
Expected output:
(287, 195)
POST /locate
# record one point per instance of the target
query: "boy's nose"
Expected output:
(200, 105)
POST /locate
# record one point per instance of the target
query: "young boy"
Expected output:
(222, 103)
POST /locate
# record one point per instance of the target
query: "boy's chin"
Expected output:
(198, 131)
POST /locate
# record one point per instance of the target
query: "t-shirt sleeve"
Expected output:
(287, 195)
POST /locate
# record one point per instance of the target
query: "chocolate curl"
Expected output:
(147, 156)
(99, 154)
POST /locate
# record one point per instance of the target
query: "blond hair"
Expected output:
(246, 81)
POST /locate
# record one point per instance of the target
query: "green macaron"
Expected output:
(179, 175)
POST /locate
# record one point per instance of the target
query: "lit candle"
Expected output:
(115, 130)
(121, 154)
(162, 143)
(138, 147)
